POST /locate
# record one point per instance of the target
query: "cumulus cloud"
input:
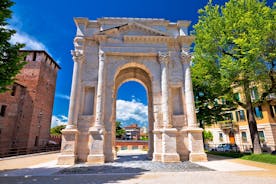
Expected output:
(131, 112)
(63, 96)
(59, 120)
(30, 42)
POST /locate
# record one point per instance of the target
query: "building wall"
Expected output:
(267, 124)
(30, 111)
(9, 123)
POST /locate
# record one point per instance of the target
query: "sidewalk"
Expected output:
(43, 169)
(26, 161)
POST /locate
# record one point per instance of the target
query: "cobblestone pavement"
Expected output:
(133, 164)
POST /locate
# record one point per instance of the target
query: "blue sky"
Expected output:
(49, 25)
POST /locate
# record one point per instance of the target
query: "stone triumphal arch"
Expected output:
(111, 51)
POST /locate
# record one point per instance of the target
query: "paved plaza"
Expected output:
(134, 168)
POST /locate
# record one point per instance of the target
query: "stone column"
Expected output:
(195, 140)
(168, 133)
(70, 133)
(188, 90)
(78, 59)
(99, 105)
(97, 132)
(164, 60)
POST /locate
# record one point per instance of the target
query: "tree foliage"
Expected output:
(10, 61)
(207, 135)
(57, 129)
(235, 48)
(120, 132)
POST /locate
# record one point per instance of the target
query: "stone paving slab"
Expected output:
(43, 169)
(227, 165)
(208, 177)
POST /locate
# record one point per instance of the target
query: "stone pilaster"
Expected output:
(97, 132)
(194, 133)
(70, 133)
(168, 133)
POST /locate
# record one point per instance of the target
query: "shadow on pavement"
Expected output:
(69, 179)
(132, 157)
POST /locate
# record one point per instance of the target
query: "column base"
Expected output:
(109, 157)
(95, 159)
(66, 160)
(156, 157)
(170, 157)
(198, 157)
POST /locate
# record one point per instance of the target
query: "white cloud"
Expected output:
(59, 120)
(131, 111)
(62, 96)
(21, 36)
(30, 42)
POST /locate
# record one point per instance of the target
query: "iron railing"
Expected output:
(24, 151)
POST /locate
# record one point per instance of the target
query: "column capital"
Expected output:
(101, 55)
(78, 56)
(164, 57)
(185, 55)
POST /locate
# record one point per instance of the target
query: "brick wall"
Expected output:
(131, 145)
(29, 112)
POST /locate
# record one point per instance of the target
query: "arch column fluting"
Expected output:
(168, 132)
(97, 131)
(196, 148)
(70, 133)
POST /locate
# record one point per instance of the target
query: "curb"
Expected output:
(29, 155)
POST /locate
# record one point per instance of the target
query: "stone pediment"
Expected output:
(132, 29)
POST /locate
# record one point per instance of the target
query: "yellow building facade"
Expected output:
(235, 129)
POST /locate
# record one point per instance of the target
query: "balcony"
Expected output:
(228, 125)
(271, 96)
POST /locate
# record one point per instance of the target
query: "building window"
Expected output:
(124, 148)
(228, 116)
(240, 115)
(220, 137)
(3, 110)
(34, 56)
(273, 110)
(258, 112)
(254, 93)
(13, 90)
(36, 141)
(237, 97)
(223, 101)
(244, 137)
(261, 136)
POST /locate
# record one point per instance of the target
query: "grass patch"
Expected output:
(266, 158)
(228, 154)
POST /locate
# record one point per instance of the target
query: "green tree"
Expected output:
(10, 61)
(120, 132)
(207, 135)
(57, 129)
(229, 50)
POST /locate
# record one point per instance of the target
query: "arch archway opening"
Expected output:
(134, 110)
